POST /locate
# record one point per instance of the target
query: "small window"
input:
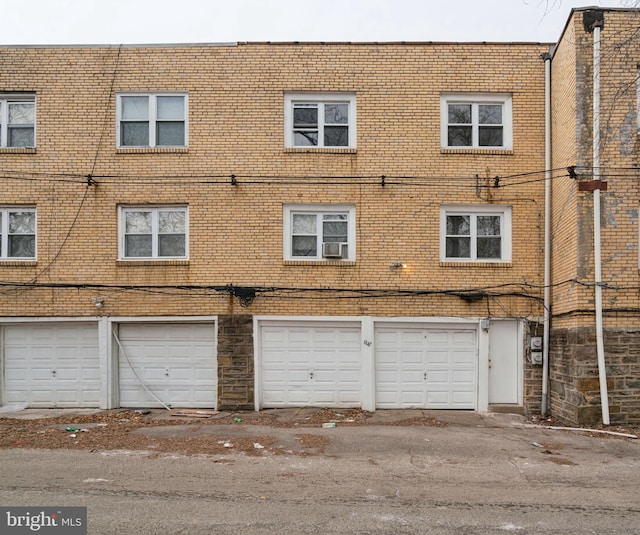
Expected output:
(17, 121)
(146, 120)
(319, 232)
(18, 233)
(476, 121)
(320, 120)
(154, 233)
(478, 234)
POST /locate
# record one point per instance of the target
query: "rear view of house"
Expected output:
(255, 225)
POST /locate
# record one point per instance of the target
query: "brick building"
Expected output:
(260, 225)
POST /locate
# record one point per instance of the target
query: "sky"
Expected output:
(31, 22)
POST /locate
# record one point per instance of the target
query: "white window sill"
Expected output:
(155, 150)
(17, 150)
(475, 150)
(326, 150)
(326, 263)
(12, 262)
(152, 262)
(475, 264)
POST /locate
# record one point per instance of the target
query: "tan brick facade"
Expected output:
(236, 127)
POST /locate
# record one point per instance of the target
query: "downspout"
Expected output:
(602, 372)
(547, 232)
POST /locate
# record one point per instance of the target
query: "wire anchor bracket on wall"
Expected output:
(234, 181)
(90, 180)
(245, 294)
(383, 180)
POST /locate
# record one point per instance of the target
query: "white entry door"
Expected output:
(52, 364)
(175, 361)
(310, 364)
(426, 366)
(505, 362)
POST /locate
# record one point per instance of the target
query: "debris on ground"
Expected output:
(195, 413)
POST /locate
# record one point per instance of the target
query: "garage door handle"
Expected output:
(425, 376)
(53, 373)
(310, 375)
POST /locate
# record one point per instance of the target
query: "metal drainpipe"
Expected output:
(602, 372)
(547, 232)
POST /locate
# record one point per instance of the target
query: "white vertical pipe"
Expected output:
(547, 233)
(597, 256)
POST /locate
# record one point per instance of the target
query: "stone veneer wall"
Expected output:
(235, 362)
(574, 385)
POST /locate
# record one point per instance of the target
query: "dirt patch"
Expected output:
(315, 443)
(561, 460)
(342, 417)
(117, 431)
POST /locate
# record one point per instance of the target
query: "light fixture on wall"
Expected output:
(98, 301)
(397, 266)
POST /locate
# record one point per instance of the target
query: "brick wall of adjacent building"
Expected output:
(574, 386)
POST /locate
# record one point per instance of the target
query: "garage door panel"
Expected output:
(412, 397)
(387, 357)
(438, 399)
(434, 363)
(409, 377)
(462, 398)
(176, 362)
(463, 377)
(437, 338)
(52, 365)
(437, 357)
(464, 357)
(272, 357)
(438, 377)
(310, 364)
(387, 377)
(464, 337)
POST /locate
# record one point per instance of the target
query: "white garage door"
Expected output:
(424, 366)
(310, 364)
(52, 364)
(175, 361)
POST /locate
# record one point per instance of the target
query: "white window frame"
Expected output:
(474, 211)
(319, 210)
(152, 119)
(123, 210)
(5, 101)
(4, 233)
(291, 99)
(475, 99)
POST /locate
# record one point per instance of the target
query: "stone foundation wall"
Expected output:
(235, 362)
(574, 390)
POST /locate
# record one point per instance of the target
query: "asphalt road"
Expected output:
(369, 480)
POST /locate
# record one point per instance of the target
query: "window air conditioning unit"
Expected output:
(333, 249)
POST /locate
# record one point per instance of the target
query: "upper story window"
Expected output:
(476, 121)
(17, 233)
(153, 233)
(17, 121)
(151, 120)
(321, 120)
(319, 232)
(475, 233)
